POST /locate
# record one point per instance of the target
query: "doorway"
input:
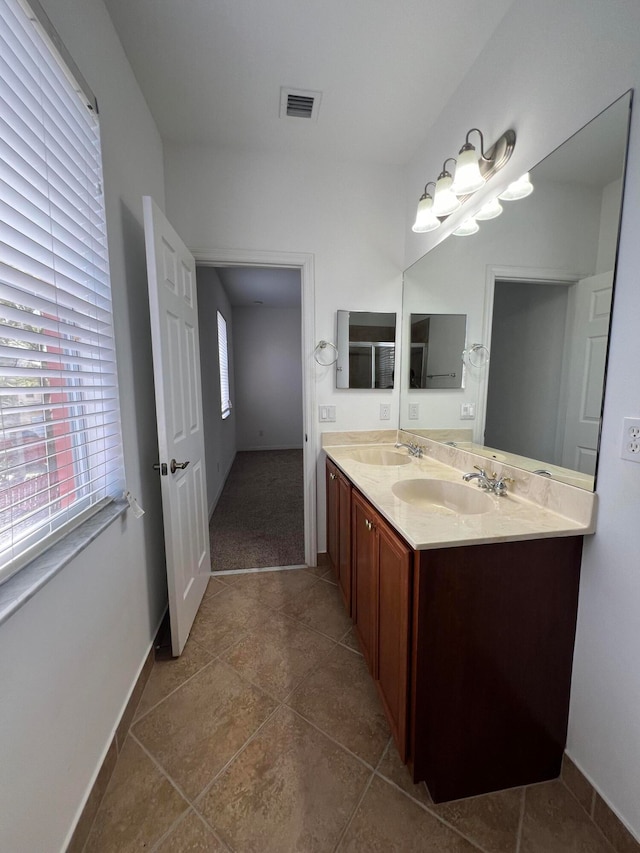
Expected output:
(260, 465)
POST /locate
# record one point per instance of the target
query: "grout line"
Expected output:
(177, 823)
(521, 821)
(353, 814)
(161, 768)
(136, 720)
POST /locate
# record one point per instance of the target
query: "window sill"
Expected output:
(24, 584)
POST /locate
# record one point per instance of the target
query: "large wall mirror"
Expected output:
(536, 285)
(366, 349)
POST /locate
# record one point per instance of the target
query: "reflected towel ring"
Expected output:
(322, 345)
(476, 356)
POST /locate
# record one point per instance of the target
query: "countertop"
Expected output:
(528, 511)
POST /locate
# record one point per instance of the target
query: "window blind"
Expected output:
(223, 359)
(60, 441)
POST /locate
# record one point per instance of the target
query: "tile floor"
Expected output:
(267, 735)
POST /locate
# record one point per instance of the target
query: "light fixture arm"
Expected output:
(444, 173)
(467, 145)
(425, 194)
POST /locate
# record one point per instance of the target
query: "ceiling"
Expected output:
(211, 70)
(267, 287)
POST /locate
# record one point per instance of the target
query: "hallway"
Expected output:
(259, 518)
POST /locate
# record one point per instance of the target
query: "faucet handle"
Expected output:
(482, 471)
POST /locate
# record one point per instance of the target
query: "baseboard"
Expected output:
(214, 503)
(600, 813)
(272, 447)
(103, 773)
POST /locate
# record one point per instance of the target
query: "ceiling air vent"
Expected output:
(299, 103)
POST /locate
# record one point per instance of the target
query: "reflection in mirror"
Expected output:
(536, 285)
(437, 344)
(366, 349)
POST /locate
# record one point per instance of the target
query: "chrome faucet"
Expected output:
(413, 448)
(492, 483)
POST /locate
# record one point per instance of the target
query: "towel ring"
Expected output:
(476, 356)
(320, 347)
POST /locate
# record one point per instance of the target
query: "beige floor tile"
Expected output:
(214, 587)
(199, 727)
(276, 589)
(392, 768)
(351, 641)
(319, 571)
(321, 608)
(291, 789)
(388, 822)
(340, 698)
(278, 655)
(224, 618)
(492, 821)
(554, 822)
(140, 805)
(171, 673)
(191, 835)
(330, 577)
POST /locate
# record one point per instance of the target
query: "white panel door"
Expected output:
(171, 271)
(586, 372)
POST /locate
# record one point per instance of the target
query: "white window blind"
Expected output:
(223, 360)
(60, 443)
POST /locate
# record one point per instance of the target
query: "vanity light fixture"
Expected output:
(445, 200)
(468, 227)
(471, 173)
(489, 210)
(426, 220)
(518, 189)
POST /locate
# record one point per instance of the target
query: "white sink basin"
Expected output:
(429, 494)
(378, 456)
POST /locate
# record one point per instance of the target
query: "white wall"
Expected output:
(70, 656)
(268, 369)
(567, 61)
(348, 215)
(219, 434)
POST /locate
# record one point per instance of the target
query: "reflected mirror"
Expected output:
(366, 349)
(536, 285)
(437, 344)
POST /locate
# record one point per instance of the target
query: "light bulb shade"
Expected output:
(468, 227)
(468, 178)
(445, 200)
(426, 220)
(489, 210)
(518, 189)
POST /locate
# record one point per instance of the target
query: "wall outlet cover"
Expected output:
(630, 448)
(414, 411)
(467, 411)
(385, 411)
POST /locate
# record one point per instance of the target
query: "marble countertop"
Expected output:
(529, 511)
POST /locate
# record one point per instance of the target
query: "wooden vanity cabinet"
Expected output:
(382, 572)
(339, 529)
(471, 649)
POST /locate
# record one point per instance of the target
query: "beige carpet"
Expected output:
(259, 519)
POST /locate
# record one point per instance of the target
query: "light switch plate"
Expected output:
(326, 414)
(467, 411)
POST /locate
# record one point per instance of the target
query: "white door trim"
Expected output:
(305, 263)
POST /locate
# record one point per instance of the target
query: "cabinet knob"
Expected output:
(369, 524)
(333, 476)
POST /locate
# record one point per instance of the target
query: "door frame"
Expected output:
(534, 275)
(304, 262)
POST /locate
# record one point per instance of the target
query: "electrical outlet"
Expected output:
(414, 409)
(385, 411)
(631, 439)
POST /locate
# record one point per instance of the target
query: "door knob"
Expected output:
(173, 465)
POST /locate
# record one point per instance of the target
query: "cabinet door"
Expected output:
(332, 515)
(395, 571)
(344, 540)
(364, 572)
